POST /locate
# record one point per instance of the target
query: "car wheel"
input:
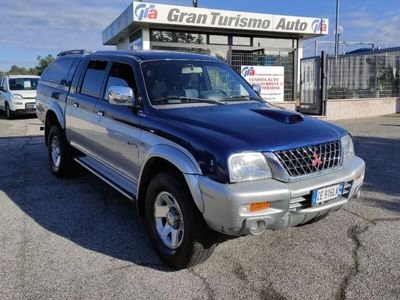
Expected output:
(8, 112)
(60, 154)
(176, 227)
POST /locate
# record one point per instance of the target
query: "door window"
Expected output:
(61, 71)
(120, 75)
(93, 80)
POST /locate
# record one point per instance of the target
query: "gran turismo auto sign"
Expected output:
(190, 16)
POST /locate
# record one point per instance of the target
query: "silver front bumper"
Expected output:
(289, 201)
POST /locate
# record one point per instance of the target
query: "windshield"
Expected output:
(21, 84)
(180, 82)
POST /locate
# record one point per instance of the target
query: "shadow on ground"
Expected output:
(82, 209)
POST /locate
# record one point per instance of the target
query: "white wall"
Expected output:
(300, 54)
(123, 44)
(146, 38)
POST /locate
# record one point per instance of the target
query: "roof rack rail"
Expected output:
(75, 51)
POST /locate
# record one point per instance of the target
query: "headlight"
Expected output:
(347, 145)
(248, 167)
(17, 97)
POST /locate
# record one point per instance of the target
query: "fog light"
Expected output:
(257, 227)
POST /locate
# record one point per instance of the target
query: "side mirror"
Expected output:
(257, 88)
(120, 95)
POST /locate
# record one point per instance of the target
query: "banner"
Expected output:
(271, 80)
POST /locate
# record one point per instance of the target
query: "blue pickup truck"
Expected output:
(186, 138)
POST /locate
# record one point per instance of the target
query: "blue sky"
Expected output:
(39, 27)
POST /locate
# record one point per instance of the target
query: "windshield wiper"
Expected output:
(244, 98)
(190, 99)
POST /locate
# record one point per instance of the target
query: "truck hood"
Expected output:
(25, 93)
(252, 127)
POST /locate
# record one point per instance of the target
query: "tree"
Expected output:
(15, 70)
(43, 63)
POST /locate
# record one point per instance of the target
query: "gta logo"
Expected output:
(248, 71)
(146, 11)
(319, 25)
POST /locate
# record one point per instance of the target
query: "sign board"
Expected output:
(215, 18)
(154, 13)
(271, 80)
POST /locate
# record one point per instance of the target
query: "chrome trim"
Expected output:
(279, 171)
(168, 220)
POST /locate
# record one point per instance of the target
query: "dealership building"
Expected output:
(238, 38)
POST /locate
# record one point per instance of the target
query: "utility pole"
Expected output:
(337, 31)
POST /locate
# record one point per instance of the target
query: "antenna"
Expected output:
(195, 3)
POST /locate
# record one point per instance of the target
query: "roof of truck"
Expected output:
(157, 55)
(22, 76)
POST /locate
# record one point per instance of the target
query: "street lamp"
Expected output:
(337, 31)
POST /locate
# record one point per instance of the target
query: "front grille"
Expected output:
(311, 159)
(30, 106)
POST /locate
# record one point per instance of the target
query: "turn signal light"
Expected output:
(259, 206)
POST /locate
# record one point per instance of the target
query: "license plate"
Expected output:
(327, 193)
(30, 106)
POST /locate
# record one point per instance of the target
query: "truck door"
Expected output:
(80, 111)
(117, 132)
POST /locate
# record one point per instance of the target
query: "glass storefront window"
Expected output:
(236, 51)
(177, 37)
(218, 39)
(241, 41)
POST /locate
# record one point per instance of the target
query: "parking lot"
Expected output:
(78, 238)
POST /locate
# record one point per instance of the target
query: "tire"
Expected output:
(60, 153)
(194, 242)
(8, 112)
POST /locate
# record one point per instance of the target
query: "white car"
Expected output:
(18, 94)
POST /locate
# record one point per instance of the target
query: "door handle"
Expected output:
(75, 104)
(100, 113)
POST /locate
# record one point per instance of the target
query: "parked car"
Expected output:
(194, 146)
(17, 94)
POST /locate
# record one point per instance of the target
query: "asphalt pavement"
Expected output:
(78, 238)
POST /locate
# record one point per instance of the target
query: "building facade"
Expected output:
(238, 38)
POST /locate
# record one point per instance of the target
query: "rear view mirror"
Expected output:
(257, 88)
(120, 95)
(192, 70)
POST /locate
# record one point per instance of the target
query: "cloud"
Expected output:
(55, 25)
(383, 31)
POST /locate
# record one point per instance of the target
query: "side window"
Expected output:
(120, 75)
(93, 80)
(61, 71)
